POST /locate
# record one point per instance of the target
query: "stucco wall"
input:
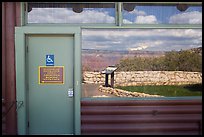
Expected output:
(145, 78)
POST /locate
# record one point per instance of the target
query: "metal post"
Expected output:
(119, 13)
(112, 79)
(106, 81)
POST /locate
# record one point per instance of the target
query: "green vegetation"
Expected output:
(167, 90)
(172, 61)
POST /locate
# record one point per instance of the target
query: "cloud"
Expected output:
(124, 39)
(194, 17)
(141, 17)
(125, 21)
(63, 15)
(149, 19)
(146, 44)
(142, 39)
(136, 12)
(139, 46)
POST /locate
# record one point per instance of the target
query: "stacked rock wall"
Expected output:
(124, 93)
(135, 78)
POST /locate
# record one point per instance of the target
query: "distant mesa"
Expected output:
(97, 60)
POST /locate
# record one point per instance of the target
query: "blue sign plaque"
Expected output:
(49, 60)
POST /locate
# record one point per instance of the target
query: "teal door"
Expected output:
(50, 84)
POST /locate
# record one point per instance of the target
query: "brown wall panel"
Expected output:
(3, 119)
(3, 52)
(145, 117)
(10, 19)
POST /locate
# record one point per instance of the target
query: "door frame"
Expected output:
(21, 73)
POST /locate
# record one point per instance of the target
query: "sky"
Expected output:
(130, 39)
(141, 39)
(163, 14)
(141, 15)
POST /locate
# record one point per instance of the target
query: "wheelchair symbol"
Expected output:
(49, 60)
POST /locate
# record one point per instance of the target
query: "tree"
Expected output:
(186, 60)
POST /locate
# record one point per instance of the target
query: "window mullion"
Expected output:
(119, 13)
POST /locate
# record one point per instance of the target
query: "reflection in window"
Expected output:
(161, 14)
(71, 12)
(149, 62)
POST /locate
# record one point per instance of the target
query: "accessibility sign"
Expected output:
(49, 60)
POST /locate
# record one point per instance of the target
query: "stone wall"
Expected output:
(135, 78)
(124, 93)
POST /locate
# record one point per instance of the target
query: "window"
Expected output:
(149, 62)
(161, 13)
(71, 12)
(167, 57)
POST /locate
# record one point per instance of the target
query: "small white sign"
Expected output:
(70, 93)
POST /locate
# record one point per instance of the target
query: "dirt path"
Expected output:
(91, 90)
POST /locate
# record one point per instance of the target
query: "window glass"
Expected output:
(161, 14)
(148, 62)
(71, 12)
